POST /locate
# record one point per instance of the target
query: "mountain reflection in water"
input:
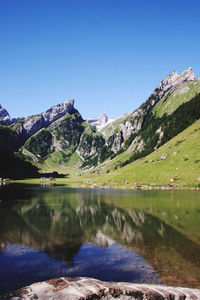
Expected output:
(51, 232)
(21, 266)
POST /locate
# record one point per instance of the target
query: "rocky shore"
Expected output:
(138, 186)
(80, 288)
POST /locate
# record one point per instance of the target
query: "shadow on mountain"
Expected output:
(15, 168)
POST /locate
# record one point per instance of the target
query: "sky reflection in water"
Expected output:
(21, 266)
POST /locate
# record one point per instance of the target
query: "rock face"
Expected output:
(172, 80)
(33, 124)
(79, 288)
(91, 144)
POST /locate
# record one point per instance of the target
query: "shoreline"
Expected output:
(113, 186)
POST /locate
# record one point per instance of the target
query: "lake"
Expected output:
(136, 236)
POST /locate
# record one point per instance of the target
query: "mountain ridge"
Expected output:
(62, 132)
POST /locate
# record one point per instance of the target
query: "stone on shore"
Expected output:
(80, 288)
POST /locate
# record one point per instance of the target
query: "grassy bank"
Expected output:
(175, 163)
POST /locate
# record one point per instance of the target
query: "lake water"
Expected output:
(136, 236)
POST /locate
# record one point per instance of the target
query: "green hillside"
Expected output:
(175, 163)
(157, 131)
(60, 162)
(173, 99)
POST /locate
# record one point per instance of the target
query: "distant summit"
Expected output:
(4, 115)
(100, 122)
(5, 118)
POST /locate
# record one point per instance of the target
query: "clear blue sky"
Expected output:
(108, 55)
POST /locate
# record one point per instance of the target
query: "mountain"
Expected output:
(129, 125)
(59, 138)
(3, 113)
(51, 138)
(32, 124)
(101, 121)
(172, 107)
(5, 118)
(65, 136)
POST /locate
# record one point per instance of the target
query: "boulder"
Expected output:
(80, 288)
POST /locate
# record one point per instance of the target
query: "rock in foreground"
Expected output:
(80, 288)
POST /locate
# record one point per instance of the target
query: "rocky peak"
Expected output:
(34, 123)
(5, 118)
(3, 114)
(57, 111)
(169, 82)
(188, 74)
(136, 120)
(104, 118)
(173, 79)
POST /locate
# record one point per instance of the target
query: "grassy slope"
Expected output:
(183, 167)
(164, 106)
(172, 100)
(58, 161)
